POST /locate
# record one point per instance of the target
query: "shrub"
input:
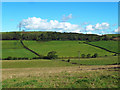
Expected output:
(105, 55)
(9, 58)
(95, 55)
(115, 54)
(88, 55)
(83, 55)
(68, 60)
(14, 58)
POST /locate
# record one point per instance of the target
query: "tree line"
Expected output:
(47, 36)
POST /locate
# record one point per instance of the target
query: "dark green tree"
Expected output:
(52, 55)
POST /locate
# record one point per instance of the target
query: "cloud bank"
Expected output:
(34, 23)
(43, 24)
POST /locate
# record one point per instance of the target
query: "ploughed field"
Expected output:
(65, 48)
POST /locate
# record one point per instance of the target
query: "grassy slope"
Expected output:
(97, 61)
(64, 48)
(110, 45)
(14, 49)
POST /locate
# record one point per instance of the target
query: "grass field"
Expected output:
(97, 61)
(109, 45)
(57, 63)
(65, 48)
(33, 63)
(115, 35)
(13, 48)
(58, 74)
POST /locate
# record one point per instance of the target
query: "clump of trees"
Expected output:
(89, 55)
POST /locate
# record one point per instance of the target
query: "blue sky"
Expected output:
(80, 17)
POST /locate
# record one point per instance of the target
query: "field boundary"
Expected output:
(28, 48)
(101, 48)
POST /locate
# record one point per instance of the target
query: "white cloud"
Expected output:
(89, 28)
(89, 32)
(98, 26)
(102, 26)
(43, 24)
(117, 30)
(66, 18)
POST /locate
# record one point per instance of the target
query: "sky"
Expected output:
(79, 17)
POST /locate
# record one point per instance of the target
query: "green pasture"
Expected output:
(33, 63)
(110, 45)
(57, 63)
(97, 61)
(65, 48)
(13, 48)
(115, 35)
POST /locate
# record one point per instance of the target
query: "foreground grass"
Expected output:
(13, 48)
(65, 48)
(97, 61)
(86, 79)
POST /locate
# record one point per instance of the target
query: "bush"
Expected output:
(14, 58)
(115, 54)
(105, 55)
(83, 55)
(68, 60)
(95, 55)
(9, 58)
(40, 57)
(88, 55)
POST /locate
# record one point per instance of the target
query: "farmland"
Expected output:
(97, 61)
(65, 48)
(97, 72)
(13, 48)
(33, 63)
(110, 45)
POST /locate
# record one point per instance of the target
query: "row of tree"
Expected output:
(46, 36)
